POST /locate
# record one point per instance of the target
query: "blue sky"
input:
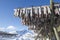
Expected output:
(7, 11)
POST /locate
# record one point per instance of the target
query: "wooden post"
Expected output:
(52, 19)
(56, 34)
(38, 33)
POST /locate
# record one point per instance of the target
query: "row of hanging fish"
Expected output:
(36, 16)
(37, 9)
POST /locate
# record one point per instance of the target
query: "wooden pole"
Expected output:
(38, 33)
(56, 34)
(52, 19)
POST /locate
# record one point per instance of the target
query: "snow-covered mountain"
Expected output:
(22, 32)
(25, 35)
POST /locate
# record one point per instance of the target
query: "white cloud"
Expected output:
(9, 29)
(13, 32)
(12, 28)
(2, 29)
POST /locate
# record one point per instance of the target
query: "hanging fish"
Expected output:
(16, 12)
